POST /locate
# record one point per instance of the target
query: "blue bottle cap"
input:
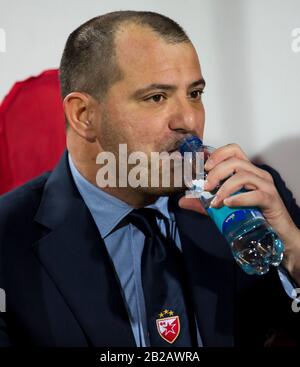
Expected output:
(190, 144)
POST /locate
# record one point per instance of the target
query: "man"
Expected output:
(71, 252)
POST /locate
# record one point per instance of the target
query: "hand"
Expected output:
(232, 163)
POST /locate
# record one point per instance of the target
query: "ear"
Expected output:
(80, 110)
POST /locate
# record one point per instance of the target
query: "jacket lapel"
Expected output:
(211, 273)
(74, 255)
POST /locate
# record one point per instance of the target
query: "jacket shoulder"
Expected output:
(22, 200)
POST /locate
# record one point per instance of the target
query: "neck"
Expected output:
(84, 156)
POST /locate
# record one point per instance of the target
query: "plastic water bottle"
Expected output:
(254, 243)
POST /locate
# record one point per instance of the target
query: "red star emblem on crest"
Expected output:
(168, 327)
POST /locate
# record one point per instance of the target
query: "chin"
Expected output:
(162, 191)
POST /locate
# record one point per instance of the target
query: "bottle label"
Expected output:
(238, 216)
(226, 218)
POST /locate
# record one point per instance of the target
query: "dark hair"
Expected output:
(88, 62)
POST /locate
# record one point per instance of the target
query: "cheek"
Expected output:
(122, 127)
(141, 129)
(201, 122)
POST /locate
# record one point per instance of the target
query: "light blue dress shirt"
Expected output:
(125, 247)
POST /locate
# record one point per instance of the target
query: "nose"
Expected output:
(187, 117)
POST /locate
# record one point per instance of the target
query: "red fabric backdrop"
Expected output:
(32, 129)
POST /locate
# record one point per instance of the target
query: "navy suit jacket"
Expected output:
(62, 289)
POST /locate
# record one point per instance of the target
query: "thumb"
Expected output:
(192, 204)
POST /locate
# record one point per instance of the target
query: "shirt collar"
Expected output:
(106, 209)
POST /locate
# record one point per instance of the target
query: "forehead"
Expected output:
(143, 54)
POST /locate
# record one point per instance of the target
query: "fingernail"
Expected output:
(206, 185)
(227, 201)
(214, 202)
(208, 164)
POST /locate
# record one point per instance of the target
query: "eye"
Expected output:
(196, 94)
(156, 98)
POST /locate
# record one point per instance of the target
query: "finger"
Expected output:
(258, 198)
(191, 204)
(239, 181)
(223, 153)
(233, 165)
(272, 208)
(249, 187)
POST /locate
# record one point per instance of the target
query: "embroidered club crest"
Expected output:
(168, 326)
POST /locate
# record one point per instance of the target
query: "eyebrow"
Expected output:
(166, 87)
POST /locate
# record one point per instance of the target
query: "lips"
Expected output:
(175, 147)
(173, 150)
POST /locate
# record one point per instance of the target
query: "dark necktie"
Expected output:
(169, 309)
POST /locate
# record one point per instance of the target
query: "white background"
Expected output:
(252, 74)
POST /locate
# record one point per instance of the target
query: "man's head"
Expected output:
(89, 60)
(134, 78)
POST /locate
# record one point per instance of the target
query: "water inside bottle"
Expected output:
(257, 249)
